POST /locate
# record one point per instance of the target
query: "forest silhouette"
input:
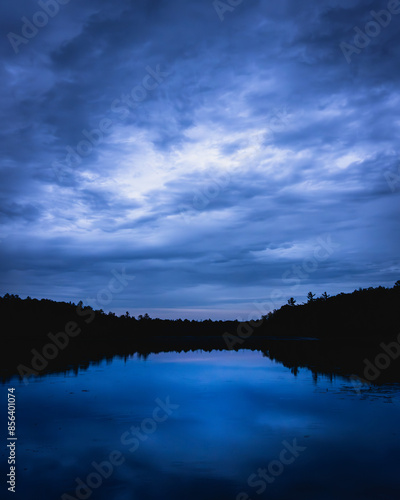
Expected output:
(44, 336)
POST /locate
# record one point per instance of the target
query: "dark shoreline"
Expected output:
(331, 336)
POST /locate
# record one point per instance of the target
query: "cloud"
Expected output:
(211, 182)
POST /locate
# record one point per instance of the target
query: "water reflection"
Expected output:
(355, 359)
(231, 415)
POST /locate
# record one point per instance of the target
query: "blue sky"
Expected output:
(223, 156)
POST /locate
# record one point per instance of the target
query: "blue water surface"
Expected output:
(230, 426)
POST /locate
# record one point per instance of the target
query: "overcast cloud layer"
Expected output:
(244, 156)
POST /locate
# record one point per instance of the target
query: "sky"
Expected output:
(198, 159)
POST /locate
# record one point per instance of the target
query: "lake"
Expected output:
(226, 425)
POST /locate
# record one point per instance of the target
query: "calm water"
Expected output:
(223, 419)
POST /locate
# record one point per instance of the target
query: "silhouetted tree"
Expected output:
(371, 313)
(310, 297)
(291, 301)
(325, 296)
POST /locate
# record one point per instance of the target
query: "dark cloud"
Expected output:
(207, 158)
